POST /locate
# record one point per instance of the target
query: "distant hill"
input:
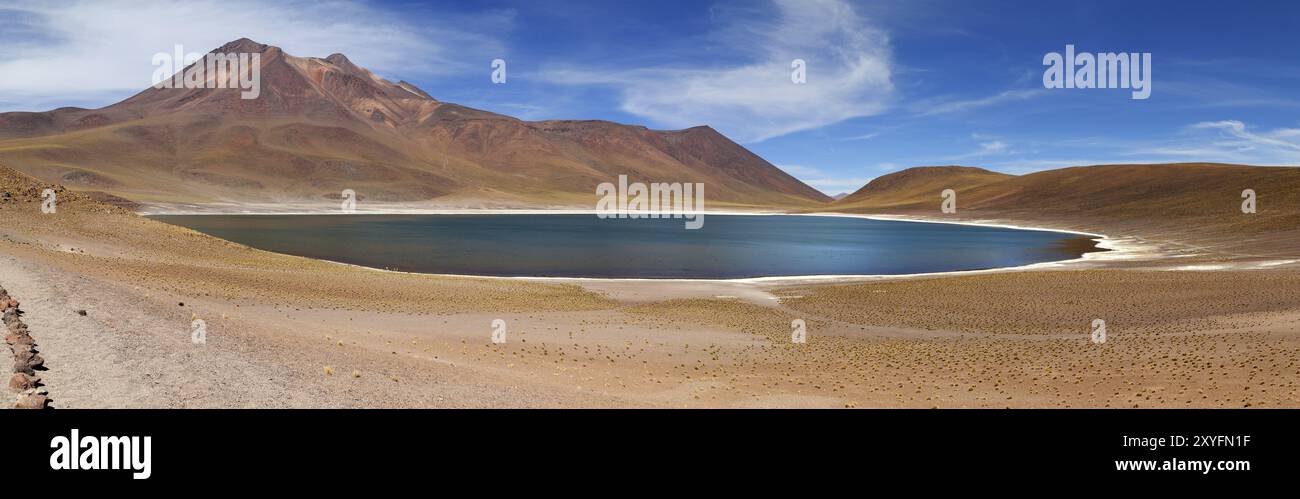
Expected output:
(918, 187)
(323, 125)
(840, 196)
(1150, 199)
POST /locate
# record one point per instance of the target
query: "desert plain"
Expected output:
(1197, 315)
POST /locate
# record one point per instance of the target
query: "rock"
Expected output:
(32, 401)
(22, 381)
(19, 339)
(23, 351)
(26, 360)
(82, 312)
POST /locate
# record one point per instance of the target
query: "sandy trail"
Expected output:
(132, 352)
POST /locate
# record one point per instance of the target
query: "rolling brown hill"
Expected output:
(900, 189)
(1176, 200)
(321, 125)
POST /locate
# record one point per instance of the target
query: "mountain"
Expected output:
(1149, 199)
(919, 185)
(321, 125)
(840, 196)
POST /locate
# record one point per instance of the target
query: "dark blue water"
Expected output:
(731, 246)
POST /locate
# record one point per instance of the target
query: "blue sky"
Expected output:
(890, 84)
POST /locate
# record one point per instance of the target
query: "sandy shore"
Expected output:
(283, 331)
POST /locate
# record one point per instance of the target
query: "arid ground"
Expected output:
(1193, 319)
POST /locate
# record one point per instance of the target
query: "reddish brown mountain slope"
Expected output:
(902, 189)
(323, 125)
(1177, 200)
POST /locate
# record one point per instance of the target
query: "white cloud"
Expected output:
(833, 186)
(1280, 139)
(1234, 142)
(80, 51)
(867, 136)
(1224, 141)
(931, 108)
(990, 148)
(821, 181)
(848, 76)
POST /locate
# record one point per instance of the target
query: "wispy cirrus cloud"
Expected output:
(985, 149)
(1223, 141)
(931, 107)
(92, 52)
(1229, 141)
(822, 181)
(865, 136)
(848, 75)
(1287, 139)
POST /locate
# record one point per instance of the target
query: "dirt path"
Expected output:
(126, 352)
(133, 348)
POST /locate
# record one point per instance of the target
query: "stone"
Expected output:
(32, 401)
(19, 339)
(23, 381)
(17, 327)
(26, 360)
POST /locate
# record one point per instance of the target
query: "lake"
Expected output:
(553, 245)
